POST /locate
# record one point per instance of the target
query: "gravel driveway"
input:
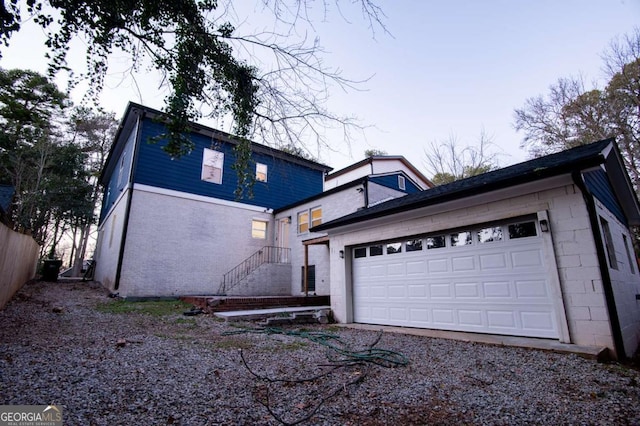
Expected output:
(68, 344)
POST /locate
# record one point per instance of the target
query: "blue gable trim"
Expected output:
(287, 181)
(391, 181)
(600, 187)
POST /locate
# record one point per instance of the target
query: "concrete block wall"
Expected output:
(625, 280)
(109, 242)
(573, 246)
(181, 245)
(270, 279)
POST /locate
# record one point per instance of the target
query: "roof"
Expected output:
(6, 195)
(322, 194)
(134, 110)
(371, 159)
(564, 162)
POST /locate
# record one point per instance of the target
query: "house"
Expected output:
(539, 249)
(361, 185)
(174, 227)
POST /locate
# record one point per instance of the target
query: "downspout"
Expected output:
(125, 226)
(604, 264)
(365, 184)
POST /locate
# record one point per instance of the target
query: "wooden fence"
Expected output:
(18, 261)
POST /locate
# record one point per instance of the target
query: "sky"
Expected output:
(444, 69)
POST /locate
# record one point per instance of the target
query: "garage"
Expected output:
(487, 278)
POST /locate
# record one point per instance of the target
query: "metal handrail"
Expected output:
(267, 254)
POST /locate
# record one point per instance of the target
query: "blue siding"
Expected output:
(119, 177)
(286, 182)
(391, 181)
(600, 187)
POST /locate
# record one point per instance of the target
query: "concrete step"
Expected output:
(258, 314)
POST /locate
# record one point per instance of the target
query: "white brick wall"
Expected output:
(333, 206)
(625, 281)
(109, 241)
(574, 247)
(180, 246)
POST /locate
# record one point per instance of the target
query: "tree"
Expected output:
(274, 88)
(93, 132)
(447, 162)
(374, 152)
(571, 115)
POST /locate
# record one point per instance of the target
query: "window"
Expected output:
(461, 239)
(360, 252)
(629, 257)
(316, 216)
(413, 245)
(121, 170)
(608, 243)
(522, 230)
(303, 222)
(435, 242)
(259, 229)
(394, 248)
(401, 183)
(490, 234)
(311, 278)
(212, 164)
(375, 251)
(261, 172)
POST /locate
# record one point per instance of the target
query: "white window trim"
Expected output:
(266, 227)
(402, 183)
(265, 172)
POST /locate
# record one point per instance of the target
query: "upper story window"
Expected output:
(212, 166)
(401, 183)
(316, 216)
(261, 172)
(303, 222)
(121, 170)
(259, 229)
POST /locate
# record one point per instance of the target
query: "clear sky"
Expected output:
(447, 68)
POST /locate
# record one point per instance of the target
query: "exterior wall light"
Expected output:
(544, 225)
(341, 253)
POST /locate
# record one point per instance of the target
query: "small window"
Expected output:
(522, 230)
(316, 216)
(401, 183)
(435, 242)
(461, 239)
(490, 234)
(375, 251)
(303, 222)
(121, 171)
(261, 172)
(212, 163)
(413, 245)
(629, 257)
(394, 248)
(608, 243)
(360, 252)
(259, 229)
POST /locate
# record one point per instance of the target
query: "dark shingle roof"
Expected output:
(551, 165)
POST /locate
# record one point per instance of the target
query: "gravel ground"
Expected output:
(59, 346)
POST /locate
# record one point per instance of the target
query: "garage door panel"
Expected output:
(531, 289)
(497, 289)
(496, 286)
(495, 261)
(467, 290)
(463, 263)
(435, 266)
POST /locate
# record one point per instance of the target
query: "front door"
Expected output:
(282, 238)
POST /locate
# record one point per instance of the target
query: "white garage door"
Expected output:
(485, 279)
